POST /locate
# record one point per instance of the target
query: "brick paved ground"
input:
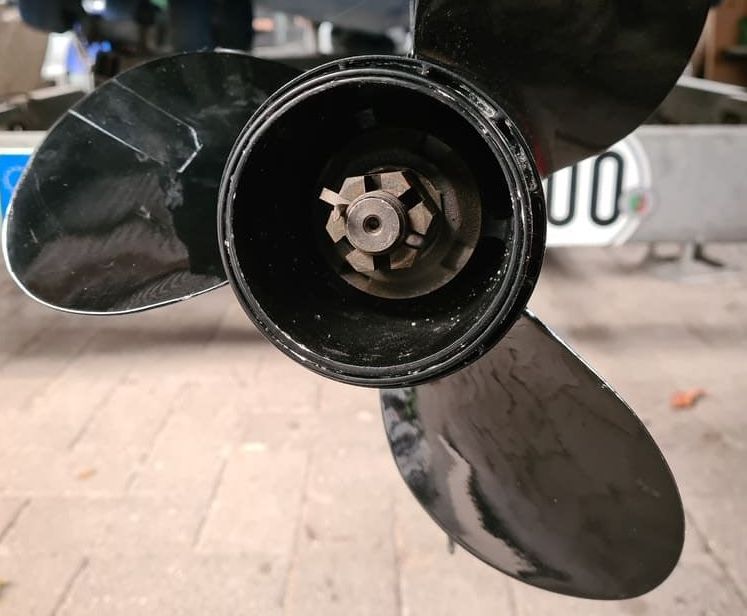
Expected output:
(175, 463)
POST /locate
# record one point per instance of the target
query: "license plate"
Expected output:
(602, 200)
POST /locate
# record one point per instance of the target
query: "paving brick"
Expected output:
(362, 432)
(34, 585)
(341, 578)
(67, 398)
(201, 431)
(111, 413)
(72, 396)
(10, 509)
(277, 433)
(257, 506)
(15, 396)
(346, 560)
(324, 431)
(38, 426)
(83, 471)
(131, 416)
(337, 398)
(178, 585)
(104, 526)
(47, 352)
(285, 387)
(714, 501)
(32, 321)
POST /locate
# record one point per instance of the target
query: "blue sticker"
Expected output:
(11, 167)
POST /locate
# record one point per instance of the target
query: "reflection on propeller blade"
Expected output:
(531, 462)
(582, 75)
(117, 211)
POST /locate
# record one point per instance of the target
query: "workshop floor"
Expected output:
(175, 463)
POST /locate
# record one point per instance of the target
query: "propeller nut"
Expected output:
(380, 221)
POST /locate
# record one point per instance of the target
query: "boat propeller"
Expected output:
(381, 220)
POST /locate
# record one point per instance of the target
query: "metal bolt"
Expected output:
(380, 221)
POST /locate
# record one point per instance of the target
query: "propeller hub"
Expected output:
(411, 236)
(380, 224)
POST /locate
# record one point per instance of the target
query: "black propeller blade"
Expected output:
(117, 210)
(579, 74)
(534, 465)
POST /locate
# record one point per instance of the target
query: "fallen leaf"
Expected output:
(687, 399)
(86, 474)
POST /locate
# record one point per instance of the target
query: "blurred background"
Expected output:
(175, 463)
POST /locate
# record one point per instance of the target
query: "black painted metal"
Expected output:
(117, 210)
(532, 463)
(580, 74)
